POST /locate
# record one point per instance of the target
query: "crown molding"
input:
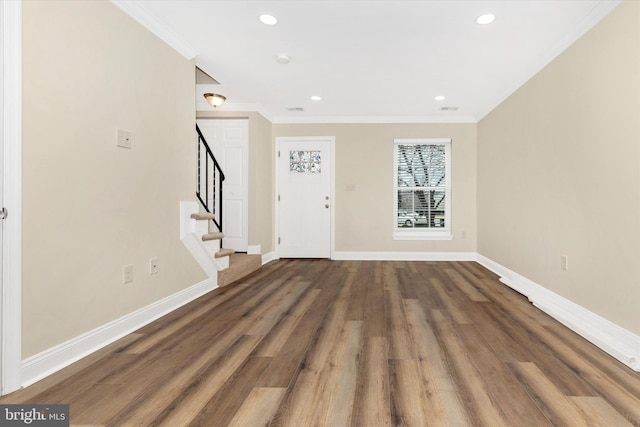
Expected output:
(203, 105)
(139, 13)
(373, 119)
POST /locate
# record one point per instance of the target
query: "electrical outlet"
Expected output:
(153, 266)
(564, 262)
(127, 273)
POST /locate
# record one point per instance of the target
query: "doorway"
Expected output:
(304, 197)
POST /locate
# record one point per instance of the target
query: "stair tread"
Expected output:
(202, 216)
(212, 236)
(224, 252)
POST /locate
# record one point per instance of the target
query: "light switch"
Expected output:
(124, 138)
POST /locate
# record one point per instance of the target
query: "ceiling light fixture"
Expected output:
(214, 99)
(485, 19)
(282, 59)
(439, 98)
(316, 98)
(267, 19)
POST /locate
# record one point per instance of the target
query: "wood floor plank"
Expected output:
(375, 324)
(443, 406)
(223, 406)
(408, 280)
(339, 378)
(499, 331)
(465, 286)
(482, 409)
(626, 401)
(186, 406)
(259, 407)
(372, 405)
(557, 407)
(502, 386)
(400, 344)
(598, 412)
(273, 342)
(449, 303)
(427, 293)
(359, 291)
(280, 303)
(606, 364)
(525, 334)
(406, 394)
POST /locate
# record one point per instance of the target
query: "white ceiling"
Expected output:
(370, 61)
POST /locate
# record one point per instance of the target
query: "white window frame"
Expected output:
(443, 233)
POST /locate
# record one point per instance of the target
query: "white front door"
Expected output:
(304, 197)
(229, 142)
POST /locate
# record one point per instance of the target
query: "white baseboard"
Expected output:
(49, 361)
(254, 250)
(611, 338)
(404, 256)
(268, 257)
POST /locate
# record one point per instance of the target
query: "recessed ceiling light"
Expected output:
(267, 19)
(439, 98)
(485, 19)
(316, 98)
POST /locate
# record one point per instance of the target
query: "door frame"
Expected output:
(11, 146)
(332, 147)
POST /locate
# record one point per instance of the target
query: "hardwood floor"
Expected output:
(350, 343)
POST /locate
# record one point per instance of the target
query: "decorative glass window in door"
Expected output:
(304, 162)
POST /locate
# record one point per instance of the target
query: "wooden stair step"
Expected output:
(224, 252)
(202, 216)
(212, 236)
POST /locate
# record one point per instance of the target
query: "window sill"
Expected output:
(404, 235)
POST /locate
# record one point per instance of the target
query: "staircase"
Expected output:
(201, 224)
(230, 265)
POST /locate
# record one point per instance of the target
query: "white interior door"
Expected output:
(304, 197)
(229, 142)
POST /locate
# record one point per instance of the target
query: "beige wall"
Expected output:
(261, 161)
(89, 206)
(364, 157)
(559, 173)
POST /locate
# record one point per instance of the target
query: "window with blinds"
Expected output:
(422, 188)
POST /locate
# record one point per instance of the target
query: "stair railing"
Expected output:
(210, 179)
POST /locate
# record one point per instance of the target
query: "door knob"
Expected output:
(327, 206)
